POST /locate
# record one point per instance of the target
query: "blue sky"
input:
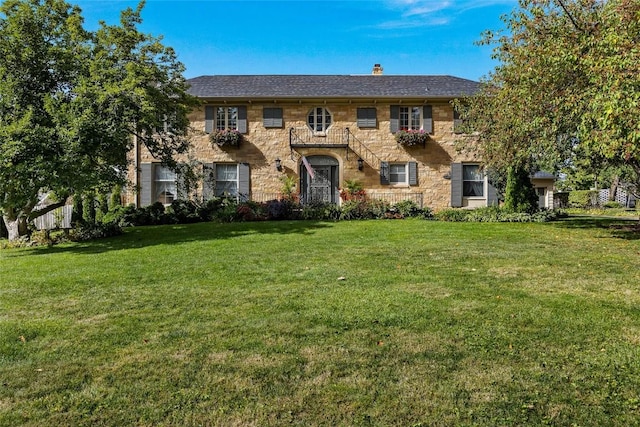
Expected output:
(319, 37)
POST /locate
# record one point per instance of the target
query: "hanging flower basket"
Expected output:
(410, 138)
(226, 137)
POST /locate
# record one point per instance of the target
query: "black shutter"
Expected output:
(272, 117)
(242, 119)
(146, 183)
(243, 182)
(413, 173)
(456, 185)
(385, 173)
(209, 119)
(457, 122)
(394, 120)
(427, 119)
(367, 118)
(208, 181)
(181, 188)
(492, 196)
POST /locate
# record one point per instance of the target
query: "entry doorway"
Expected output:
(323, 186)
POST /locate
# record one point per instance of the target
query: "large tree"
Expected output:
(567, 87)
(72, 101)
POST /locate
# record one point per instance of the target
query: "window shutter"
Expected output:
(457, 122)
(146, 183)
(272, 117)
(243, 182)
(180, 183)
(367, 118)
(384, 173)
(413, 173)
(209, 119)
(492, 196)
(427, 119)
(394, 120)
(208, 181)
(456, 185)
(242, 119)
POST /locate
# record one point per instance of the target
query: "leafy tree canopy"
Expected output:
(72, 101)
(566, 91)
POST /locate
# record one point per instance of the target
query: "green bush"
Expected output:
(520, 196)
(452, 215)
(95, 231)
(612, 205)
(497, 214)
(583, 198)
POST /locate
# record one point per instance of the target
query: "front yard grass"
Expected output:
(315, 323)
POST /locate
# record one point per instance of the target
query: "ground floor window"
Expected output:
(226, 180)
(472, 181)
(165, 185)
(397, 173)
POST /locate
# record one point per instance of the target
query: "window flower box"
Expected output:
(410, 137)
(226, 137)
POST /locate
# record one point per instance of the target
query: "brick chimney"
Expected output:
(377, 70)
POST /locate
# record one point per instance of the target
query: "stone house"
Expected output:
(323, 130)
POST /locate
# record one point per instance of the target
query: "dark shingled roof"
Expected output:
(331, 86)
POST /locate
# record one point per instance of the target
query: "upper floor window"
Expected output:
(227, 118)
(319, 119)
(472, 181)
(410, 118)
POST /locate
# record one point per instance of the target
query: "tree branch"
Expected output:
(37, 213)
(566, 11)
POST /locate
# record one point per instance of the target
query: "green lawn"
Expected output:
(378, 323)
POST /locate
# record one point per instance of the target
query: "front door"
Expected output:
(323, 186)
(542, 197)
(320, 185)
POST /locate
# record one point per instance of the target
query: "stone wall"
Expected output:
(262, 146)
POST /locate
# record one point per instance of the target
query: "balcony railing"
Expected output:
(331, 138)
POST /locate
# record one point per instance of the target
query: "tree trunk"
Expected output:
(613, 190)
(16, 227)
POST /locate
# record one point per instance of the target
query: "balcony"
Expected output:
(333, 137)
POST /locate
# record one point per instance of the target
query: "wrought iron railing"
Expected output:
(393, 198)
(362, 150)
(305, 137)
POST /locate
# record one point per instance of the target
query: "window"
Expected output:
(319, 119)
(165, 185)
(472, 181)
(397, 173)
(223, 118)
(226, 180)
(227, 118)
(410, 118)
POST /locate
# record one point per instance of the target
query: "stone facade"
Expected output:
(262, 145)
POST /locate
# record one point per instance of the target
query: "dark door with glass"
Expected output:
(320, 187)
(323, 186)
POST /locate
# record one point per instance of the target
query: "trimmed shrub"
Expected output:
(452, 215)
(520, 196)
(183, 212)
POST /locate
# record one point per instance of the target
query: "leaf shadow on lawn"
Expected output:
(621, 228)
(140, 237)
